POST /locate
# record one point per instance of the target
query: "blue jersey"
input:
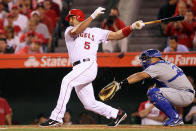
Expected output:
(169, 75)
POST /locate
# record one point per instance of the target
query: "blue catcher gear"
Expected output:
(162, 103)
(145, 55)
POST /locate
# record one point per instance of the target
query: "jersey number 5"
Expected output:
(87, 45)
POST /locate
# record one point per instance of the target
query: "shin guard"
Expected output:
(162, 103)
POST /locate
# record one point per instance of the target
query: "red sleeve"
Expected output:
(168, 29)
(103, 25)
(120, 24)
(142, 106)
(1, 24)
(56, 8)
(54, 17)
(41, 36)
(161, 113)
(48, 21)
(8, 110)
(23, 51)
(22, 37)
(188, 28)
(176, 11)
(17, 29)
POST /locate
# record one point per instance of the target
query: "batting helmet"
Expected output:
(145, 55)
(76, 12)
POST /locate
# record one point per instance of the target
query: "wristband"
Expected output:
(126, 31)
(124, 83)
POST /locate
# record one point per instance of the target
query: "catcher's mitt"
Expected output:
(109, 91)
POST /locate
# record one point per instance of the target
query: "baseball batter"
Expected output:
(82, 44)
(172, 86)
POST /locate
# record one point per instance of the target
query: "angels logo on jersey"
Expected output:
(87, 35)
(31, 61)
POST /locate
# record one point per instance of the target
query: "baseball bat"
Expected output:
(166, 20)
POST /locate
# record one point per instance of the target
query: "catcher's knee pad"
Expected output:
(155, 95)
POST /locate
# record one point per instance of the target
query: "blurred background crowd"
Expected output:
(28, 26)
(37, 26)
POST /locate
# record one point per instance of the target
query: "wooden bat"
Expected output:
(166, 20)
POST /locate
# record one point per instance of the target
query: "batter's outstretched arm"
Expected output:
(83, 25)
(134, 78)
(120, 34)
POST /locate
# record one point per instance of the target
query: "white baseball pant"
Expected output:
(81, 78)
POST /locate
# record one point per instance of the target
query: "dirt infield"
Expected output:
(121, 127)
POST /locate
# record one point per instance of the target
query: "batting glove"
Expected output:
(97, 12)
(138, 25)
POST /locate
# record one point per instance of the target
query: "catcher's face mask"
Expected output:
(145, 61)
(147, 55)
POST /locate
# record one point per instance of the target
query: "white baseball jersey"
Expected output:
(168, 75)
(85, 45)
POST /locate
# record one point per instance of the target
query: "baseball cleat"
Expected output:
(120, 117)
(173, 122)
(51, 123)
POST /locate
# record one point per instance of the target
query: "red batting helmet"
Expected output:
(76, 12)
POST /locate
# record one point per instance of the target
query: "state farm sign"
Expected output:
(47, 61)
(181, 60)
(56, 60)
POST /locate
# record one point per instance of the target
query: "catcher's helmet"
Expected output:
(150, 53)
(76, 12)
(145, 55)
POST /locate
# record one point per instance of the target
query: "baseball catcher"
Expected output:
(172, 89)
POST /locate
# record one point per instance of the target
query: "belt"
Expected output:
(189, 90)
(80, 61)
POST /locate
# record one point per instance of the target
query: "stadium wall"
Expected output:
(33, 91)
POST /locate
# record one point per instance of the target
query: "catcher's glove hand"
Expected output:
(109, 91)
